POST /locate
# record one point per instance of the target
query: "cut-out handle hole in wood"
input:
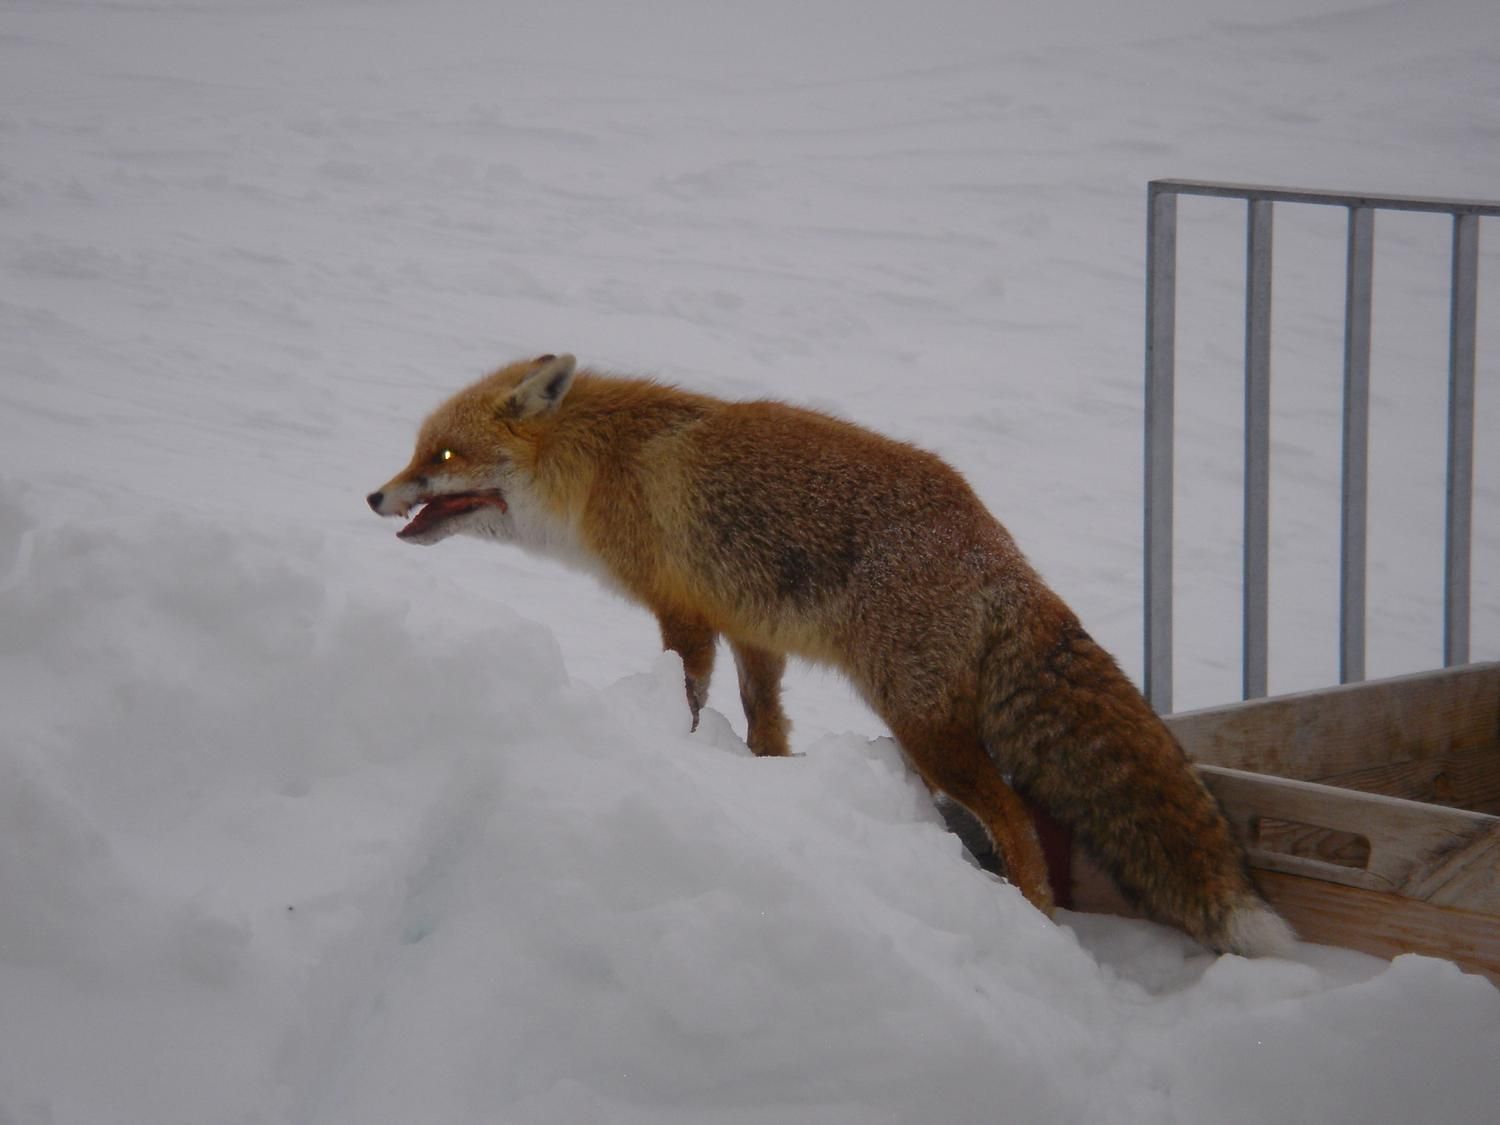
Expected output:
(1308, 841)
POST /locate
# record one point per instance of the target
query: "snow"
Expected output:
(299, 824)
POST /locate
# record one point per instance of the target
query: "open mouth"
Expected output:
(442, 508)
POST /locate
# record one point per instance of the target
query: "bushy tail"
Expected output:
(1075, 736)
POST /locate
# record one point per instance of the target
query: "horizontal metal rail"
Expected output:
(1332, 198)
(1161, 291)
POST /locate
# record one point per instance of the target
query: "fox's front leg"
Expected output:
(693, 640)
(760, 691)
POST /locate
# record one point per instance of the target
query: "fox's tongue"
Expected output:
(436, 511)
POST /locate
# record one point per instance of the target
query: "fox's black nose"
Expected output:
(375, 498)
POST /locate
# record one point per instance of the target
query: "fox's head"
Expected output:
(476, 453)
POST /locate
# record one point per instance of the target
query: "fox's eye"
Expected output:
(445, 455)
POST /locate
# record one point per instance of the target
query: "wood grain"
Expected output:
(1384, 925)
(1354, 727)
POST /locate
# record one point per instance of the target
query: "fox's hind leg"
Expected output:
(693, 640)
(760, 691)
(954, 763)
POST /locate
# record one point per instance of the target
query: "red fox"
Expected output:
(789, 531)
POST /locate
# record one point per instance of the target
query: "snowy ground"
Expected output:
(299, 824)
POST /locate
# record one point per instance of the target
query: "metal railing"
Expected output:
(1161, 296)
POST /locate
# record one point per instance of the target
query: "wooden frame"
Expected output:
(1371, 811)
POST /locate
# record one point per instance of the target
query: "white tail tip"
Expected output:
(1255, 930)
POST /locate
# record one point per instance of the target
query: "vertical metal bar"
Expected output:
(1257, 445)
(1460, 438)
(1359, 286)
(1161, 325)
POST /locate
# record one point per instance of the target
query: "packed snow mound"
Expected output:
(271, 854)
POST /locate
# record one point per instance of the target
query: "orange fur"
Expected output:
(789, 531)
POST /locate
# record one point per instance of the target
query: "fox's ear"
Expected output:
(543, 390)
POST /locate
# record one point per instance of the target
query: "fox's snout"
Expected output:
(395, 498)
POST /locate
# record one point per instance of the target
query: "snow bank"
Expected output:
(273, 854)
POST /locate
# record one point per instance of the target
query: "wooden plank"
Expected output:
(1354, 727)
(1440, 855)
(1383, 924)
(1373, 922)
(1464, 779)
(1465, 876)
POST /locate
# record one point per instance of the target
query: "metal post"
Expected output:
(1161, 322)
(1359, 287)
(1257, 445)
(1460, 438)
